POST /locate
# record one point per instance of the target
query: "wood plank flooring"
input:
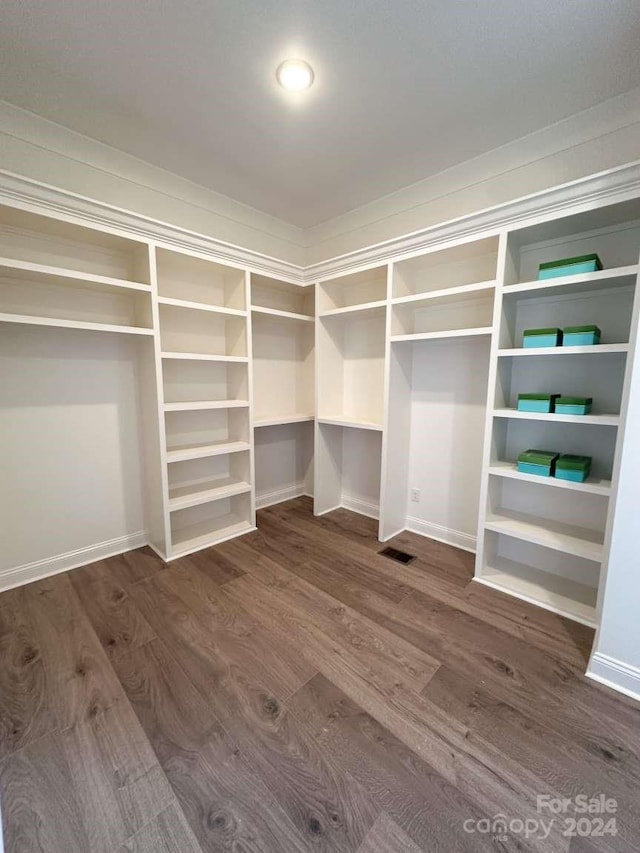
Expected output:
(293, 690)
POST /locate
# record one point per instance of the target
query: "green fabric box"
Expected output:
(542, 338)
(539, 462)
(573, 468)
(573, 405)
(569, 266)
(581, 336)
(544, 403)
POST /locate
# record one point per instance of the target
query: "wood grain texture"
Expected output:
(385, 836)
(293, 690)
(116, 621)
(168, 833)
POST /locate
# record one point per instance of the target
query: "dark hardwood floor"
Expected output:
(293, 690)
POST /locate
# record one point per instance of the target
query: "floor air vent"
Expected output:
(398, 556)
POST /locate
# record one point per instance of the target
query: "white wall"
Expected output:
(616, 655)
(283, 462)
(449, 395)
(70, 473)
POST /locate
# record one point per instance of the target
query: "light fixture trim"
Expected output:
(295, 75)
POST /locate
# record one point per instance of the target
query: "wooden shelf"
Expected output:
(277, 420)
(201, 405)
(203, 356)
(200, 306)
(198, 492)
(567, 538)
(201, 451)
(205, 533)
(435, 336)
(350, 422)
(24, 319)
(575, 283)
(598, 349)
(376, 308)
(286, 315)
(46, 274)
(560, 595)
(599, 420)
(455, 293)
(592, 486)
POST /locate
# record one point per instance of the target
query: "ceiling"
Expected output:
(404, 89)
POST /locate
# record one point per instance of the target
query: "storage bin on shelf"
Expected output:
(569, 266)
(541, 338)
(573, 405)
(544, 403)
(573, 468)
(580, 336)
(539, 462)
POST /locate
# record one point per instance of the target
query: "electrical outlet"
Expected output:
(415, 495)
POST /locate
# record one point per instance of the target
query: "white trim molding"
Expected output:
(608, 187)
(43, 198)
(615, 674)
(278, 496)
(371, 510)
(441, 534)
(29, 572)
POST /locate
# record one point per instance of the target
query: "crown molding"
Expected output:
(608, 187)
(38, 197)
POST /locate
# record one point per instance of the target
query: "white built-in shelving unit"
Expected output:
(283, 335)
(389, 389)
(544, 539)
(204, 356)
(351, 343)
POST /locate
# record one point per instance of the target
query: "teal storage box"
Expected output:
(539, 462)
(573, 405)
(581, 336)
(569, 266)
(544, 403)
(541, 338)
(573, 468)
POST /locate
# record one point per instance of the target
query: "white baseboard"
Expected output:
(29, 572)
(371, 510)
(279, 495)
(616, 674)
(442, 534)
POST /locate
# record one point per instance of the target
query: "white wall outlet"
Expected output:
(415, 495)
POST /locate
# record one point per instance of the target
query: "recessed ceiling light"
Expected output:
(294, 75)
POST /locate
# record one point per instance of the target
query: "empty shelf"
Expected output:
(200, 306)
(287, 315)
(449, 333)
(339, 420)
(548, 533)
(277, 420)
(200, 451)
(204, 533)
(456, 294)
(46, 274)
(199, 492)
(201, 405)
(24, 319)
(376, 308)
(553, 592)
(196, 356)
